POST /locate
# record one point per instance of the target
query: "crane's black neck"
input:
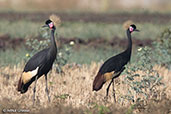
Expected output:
(53, 43)
(129, 47)
(53, 48)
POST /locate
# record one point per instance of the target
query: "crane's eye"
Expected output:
(51, 25)
(131, 29)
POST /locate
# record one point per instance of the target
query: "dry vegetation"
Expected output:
(73, 89)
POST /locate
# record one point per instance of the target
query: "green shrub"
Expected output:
(142, 80)
(162, 48)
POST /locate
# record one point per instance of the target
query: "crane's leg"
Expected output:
(107, 90)
(46, 89)
(34, 90)
(114, 92)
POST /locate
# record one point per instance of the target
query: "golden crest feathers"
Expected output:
(127, 23)
(55, 19)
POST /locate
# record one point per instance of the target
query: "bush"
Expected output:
(142, 80)
(162, 48)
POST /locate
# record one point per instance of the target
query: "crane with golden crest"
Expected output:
(114, 66)
(41, 63)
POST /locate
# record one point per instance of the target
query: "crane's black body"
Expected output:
(42, 61)
(114, 66)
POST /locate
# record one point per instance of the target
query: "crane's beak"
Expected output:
(137, 30)
(45, 26)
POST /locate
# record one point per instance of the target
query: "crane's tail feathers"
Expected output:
(26, 79)
(19, 84)
(22, 88)
(100, 79)
(98, 82)
(23, 84)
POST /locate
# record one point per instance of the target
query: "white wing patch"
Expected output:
(26, 76)
(34, 72)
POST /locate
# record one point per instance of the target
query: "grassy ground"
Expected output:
(12, 57)
(81, 56)
(22, 29)
(85, 31)
(72, 92)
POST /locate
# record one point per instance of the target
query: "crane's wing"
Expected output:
(112, 68)
(31, 69)
(34, 65)
(113, 64)
(36, 61)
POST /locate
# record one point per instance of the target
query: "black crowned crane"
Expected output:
(114, 66)
(41, 63)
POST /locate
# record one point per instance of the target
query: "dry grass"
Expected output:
(74, 88)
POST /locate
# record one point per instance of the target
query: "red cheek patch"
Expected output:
(131, 29)
(51, 25)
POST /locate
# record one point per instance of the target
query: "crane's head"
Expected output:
(132, 28)
(53, 22)
(49, 24)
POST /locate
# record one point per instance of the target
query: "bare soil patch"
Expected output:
(12, 43)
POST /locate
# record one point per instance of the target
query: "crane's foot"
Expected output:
(114, 96)
(46, 89)
(47, 93)
(106, 98)
(107, 90)
(34, 91)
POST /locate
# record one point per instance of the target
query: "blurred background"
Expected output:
(93, 26)
(85, 5)
(91, 31)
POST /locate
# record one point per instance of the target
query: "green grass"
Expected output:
(12, 57)
(108, 31)
(84, 55)
(19, 29)
(87, 55)
(82, 30)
